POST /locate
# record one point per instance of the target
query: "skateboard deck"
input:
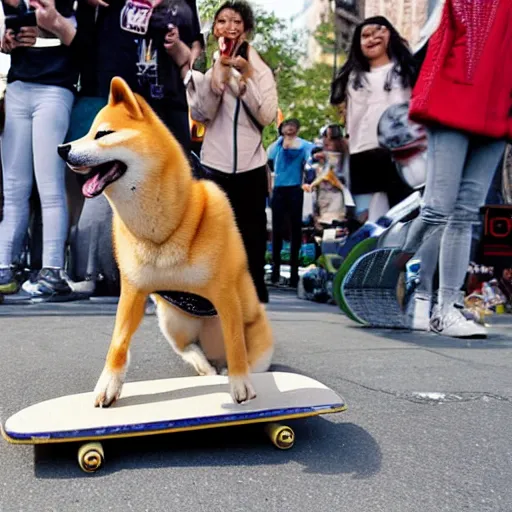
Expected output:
(171, 405)
(374, 289)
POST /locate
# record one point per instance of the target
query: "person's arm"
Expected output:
(203, 102)
(49, 19)
(272, 154)
(198, 38)
(261, 92)
(196, 50)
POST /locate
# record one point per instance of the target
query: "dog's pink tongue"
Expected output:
(91, 186)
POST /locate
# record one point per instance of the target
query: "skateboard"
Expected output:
(172, 405)
(374, 289)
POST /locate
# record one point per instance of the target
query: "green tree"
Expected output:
(303, 91)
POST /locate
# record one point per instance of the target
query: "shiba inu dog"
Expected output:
(171, 233)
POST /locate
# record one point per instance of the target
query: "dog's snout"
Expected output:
(64, 150)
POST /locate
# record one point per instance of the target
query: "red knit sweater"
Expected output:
(466, 79)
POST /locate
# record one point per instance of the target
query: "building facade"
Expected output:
(408, 16)
(348, 14)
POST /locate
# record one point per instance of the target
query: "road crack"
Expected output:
(435, 398)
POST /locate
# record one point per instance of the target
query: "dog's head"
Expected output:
(126, 147)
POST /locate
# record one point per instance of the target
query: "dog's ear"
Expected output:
(120, 92)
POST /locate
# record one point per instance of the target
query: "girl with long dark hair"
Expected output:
(380, 71)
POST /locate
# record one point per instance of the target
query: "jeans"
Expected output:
(36, 122)
(459, 173)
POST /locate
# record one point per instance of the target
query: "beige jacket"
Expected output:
(218, 113)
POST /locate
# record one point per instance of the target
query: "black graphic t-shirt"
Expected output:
(140, 59)
(158, 75)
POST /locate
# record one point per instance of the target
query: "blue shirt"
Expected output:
(289, 163)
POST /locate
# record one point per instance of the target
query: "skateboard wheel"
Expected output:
(91, 457)
(281, 436)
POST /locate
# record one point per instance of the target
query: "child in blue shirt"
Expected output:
(287, 158)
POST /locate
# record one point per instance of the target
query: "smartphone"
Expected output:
(15, 22)
(243, 51)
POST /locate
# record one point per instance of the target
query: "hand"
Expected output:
(176, 48)
(9, 41)
(306, 187)
(26, 37)
(240, 64)
(49, 19)
(319, 157)
(172, 37)
(46, 14)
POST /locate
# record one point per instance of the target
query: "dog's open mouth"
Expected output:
(226, 46)
(101, 176)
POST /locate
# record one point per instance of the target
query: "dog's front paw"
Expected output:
(108, 388)
(241, 389)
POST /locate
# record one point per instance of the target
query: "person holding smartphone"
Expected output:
(125, 38)
(236, 99)
(38, 100)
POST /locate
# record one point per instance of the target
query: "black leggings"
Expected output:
(247, 193)
(287, 204)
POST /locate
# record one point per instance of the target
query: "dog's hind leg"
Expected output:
(130, 312)
(182, 331)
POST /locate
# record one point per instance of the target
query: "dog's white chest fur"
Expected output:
(166, 270)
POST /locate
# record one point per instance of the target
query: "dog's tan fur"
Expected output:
(172, 232)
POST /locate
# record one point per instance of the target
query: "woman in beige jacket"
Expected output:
(235, 99)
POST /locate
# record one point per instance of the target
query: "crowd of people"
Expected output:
(59, 78)
(60, 75)
(465, 150)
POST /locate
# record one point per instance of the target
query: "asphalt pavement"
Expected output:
(428, 426)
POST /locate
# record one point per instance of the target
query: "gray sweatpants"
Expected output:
(36, 122)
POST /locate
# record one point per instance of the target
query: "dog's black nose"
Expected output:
(64, 150)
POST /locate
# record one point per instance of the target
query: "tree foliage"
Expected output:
(303, 91)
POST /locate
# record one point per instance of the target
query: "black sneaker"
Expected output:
(49, 286)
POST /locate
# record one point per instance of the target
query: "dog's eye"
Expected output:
(102, 133)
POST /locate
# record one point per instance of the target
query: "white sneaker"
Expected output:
(418, 312)
(456, 325)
